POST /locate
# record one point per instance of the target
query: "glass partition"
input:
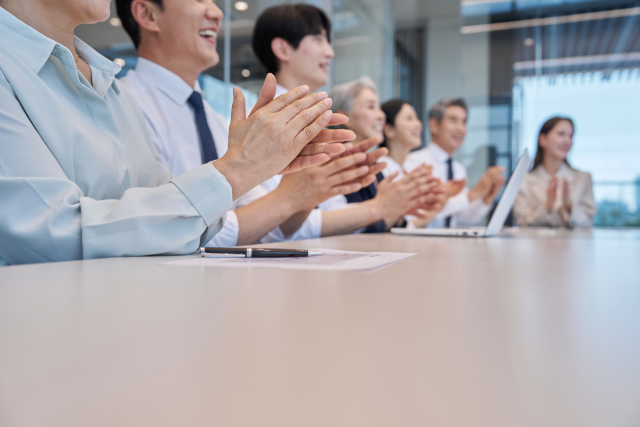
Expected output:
(516, 62)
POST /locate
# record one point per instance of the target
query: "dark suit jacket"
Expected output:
(363, 195)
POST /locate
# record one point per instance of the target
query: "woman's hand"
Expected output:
(279, 136)
(312, 186)
(396, 199)
(551, 194)
(566, 197)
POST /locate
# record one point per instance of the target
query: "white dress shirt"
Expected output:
(79, 175)
(461, 211)
(530, 209)
(392, 167)
(162, 96)
(311, 228)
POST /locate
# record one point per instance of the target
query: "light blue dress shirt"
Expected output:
(79, 175)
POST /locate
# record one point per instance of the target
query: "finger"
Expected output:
(389, 179)
(238, 108)
(287, 99)
(338, 119)
(307, 131)
(267, 93)
(333, 135)
(373, 156)
(377, 168)
(330, 149)
(344, 163)
(346, 188)
(303, 162)
(368, 180)
(348, 176)
(310, 117)
(304, 107)
(369, 143)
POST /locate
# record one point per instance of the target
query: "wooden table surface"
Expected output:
(540, 328)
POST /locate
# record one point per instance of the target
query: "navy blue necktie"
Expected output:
(447, 220)
(209, 152)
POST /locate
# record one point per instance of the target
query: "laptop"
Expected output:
(499, 215)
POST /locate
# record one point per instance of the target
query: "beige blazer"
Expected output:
(529, 208)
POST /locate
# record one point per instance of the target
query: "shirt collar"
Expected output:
(25, 42)
(438, 153)
(35, 49)
(280, 90)
(166, 81)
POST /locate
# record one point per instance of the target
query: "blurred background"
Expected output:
(517, 63)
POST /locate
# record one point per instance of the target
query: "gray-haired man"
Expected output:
(448, 128)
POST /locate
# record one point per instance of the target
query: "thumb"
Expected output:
(238, 108)
(267, 93)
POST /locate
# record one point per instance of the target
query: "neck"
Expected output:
(552, 164)
(288, 80)
(449, 152)
(170, 62)
(398, 152)
(50, 21)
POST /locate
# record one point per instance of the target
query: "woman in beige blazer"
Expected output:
(555, 194)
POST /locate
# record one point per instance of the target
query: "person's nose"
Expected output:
(214, 13)
(329, 53)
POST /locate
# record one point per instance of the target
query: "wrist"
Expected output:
(287, 201)
(232, 173)
(376, 209)
(474, 194)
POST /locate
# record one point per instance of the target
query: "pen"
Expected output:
(256, 253)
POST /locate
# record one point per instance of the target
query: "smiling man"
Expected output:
(176, 42)
(448, 127)
(293, 43)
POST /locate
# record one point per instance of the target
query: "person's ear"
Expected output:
(146, 14)
(434, 126)
(281, 49)
(542, 141)
(389, 131)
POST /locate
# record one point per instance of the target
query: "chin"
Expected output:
(100, 10)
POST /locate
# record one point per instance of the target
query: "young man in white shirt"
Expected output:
(293, 43)
(169, 35)
(448, 127)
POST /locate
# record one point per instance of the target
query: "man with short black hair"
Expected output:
(294, 43)
(448, 127)
(176, 42)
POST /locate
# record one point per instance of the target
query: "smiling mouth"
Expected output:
(210, 35)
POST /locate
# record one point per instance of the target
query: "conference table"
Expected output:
(538, 327)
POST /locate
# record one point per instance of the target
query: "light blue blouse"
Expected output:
(79, 175)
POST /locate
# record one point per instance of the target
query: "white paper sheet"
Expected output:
(330, 260)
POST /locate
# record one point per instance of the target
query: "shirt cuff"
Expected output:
(228, 236)
(207, 190)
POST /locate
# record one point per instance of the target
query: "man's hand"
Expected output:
(283, 135)
(370, 160)
(310, 187)
(496, 186)
(485, 186)
(404, 196)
